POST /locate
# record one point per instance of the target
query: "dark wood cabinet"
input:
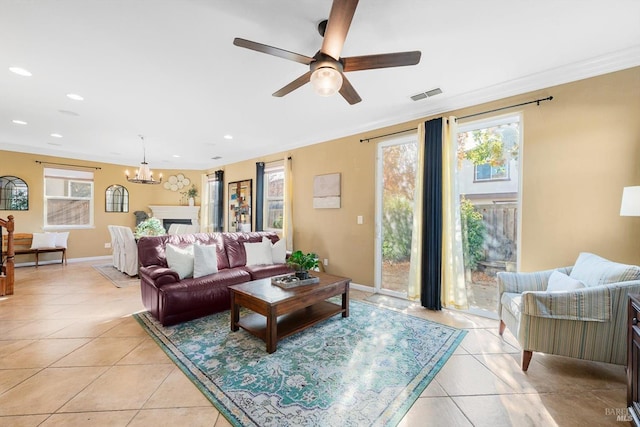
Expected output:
(633, 358)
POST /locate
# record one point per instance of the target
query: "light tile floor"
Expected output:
(72, 355)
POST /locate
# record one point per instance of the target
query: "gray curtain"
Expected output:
(431, 262)
(259, 195)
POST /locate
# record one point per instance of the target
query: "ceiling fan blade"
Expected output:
(270, 50)
(348, 92)
(300, 81)
(342, 12)
(385, 60)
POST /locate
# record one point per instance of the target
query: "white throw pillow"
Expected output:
(278, 250)
(43, 240)
(205, 260)
(258, 253)
(61, 239)
(180, 259)
(561, 282)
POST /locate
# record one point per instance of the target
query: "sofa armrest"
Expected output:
(523, 282)
(160, 275)
(586, 304)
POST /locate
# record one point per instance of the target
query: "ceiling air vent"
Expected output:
(427, 94)
(216, 158)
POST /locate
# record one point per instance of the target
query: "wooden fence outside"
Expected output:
(501, 222)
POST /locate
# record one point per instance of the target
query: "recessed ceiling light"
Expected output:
(68, 112)
(19, 122)
(227, 136)
(176, 155)
(75, 97)
(20, 71)
(56, 135)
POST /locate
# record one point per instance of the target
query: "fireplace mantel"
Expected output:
(176, 212)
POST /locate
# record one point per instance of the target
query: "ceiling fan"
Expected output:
(326, 67)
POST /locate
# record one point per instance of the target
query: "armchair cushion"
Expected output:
(561, 282)
(587, 304)
(593, 270)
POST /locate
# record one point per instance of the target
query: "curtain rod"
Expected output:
(66, 164)
(537, 101)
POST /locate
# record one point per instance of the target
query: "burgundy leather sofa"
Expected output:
(171, 300)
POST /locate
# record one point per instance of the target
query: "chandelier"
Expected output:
(143, 174)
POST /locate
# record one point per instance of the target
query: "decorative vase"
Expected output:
(192, 202)
(302, 274)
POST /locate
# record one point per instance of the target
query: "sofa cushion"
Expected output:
(226, 277)
(278, 250)
(263, 271)
(561, 282)
(151, 249)
(205, 260)
(258, 253)
(593, 270)
(180, 259)
(234, 245)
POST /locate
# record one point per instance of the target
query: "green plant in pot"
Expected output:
(302, 263)
(150, 227)
(191, 194)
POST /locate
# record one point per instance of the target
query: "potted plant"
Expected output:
(302, 263)
(191, 194)
(150, 227)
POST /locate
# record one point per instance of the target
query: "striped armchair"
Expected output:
(587, 321)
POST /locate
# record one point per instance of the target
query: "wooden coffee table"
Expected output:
(278, 313)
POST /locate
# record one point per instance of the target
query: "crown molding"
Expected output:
(592, 67)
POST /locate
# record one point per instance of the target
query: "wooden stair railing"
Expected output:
(7, 264)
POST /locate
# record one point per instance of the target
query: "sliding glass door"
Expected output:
(395, 183)
(489, 186)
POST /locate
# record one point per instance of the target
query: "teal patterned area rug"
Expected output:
(363, 370)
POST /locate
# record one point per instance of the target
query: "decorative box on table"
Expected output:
(291, 281)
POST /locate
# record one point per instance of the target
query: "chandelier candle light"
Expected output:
(143, 175)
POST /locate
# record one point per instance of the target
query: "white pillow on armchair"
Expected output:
(559, 282)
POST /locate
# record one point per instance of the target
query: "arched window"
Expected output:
(117, 199)
(14, 194)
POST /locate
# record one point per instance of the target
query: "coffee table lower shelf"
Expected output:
(290, 323)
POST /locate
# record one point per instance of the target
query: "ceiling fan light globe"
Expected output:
(326, 81)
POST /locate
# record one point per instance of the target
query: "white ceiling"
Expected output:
(167, 69)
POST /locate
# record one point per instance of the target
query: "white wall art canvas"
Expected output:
(326, 191)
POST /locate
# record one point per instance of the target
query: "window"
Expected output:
(488, 172)
(273, 196)
(68, 198)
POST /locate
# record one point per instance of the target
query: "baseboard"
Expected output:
(69, 260)
(362, 288)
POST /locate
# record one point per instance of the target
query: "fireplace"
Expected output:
(166, 222)
(176, 214)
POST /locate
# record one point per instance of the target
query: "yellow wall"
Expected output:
(85, 242)
(579, 150)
